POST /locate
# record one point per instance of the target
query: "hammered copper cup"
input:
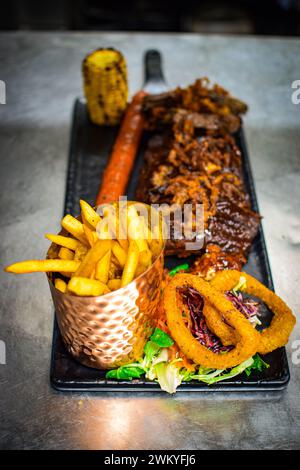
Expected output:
(111, 330)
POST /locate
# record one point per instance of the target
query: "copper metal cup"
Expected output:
(111, 330)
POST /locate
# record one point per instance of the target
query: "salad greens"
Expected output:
(161, 338)
(155, 365)
(258, 364)
(180, 267)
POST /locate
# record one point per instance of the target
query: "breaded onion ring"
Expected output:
(283, 321)
(248, 337)
(217, 325)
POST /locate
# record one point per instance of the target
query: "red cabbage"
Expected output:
(248, 307)
(199, 329)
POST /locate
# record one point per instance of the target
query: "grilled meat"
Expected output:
(216, 260)
(196, 160)
(202, 122)
(211, 108)
(233, 227)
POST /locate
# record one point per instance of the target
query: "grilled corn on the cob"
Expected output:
(105, 86)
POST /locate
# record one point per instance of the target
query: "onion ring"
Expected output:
(283, 321)
(248, 337)
(217, 325)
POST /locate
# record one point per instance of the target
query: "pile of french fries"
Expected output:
(98, 254)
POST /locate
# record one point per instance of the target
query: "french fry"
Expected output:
(124, 243)
(92, 257)
(92, 276)
(60, 285)
(114, 284)
(60, 240)
(121, 227)
(80, 252)
(103, 231)
(114, 269)
(95, 263)
(131, 263)
(157, 242)
(140, 270)
(74, 227)
(66, 274)
(106, 290)
(102, 268)
(89, 235)
(110, 215)
(136, 229)
(156, 247)
(148, 235)
(45, 265)
(65, 253)
(89, 214)
(86, 287)
(145, 258)
(119, 253)
(95, 236)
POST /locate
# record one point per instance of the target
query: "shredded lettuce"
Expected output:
(241, 285)
(151, 350)
(155, 365)
(168, 376)
(218, 375)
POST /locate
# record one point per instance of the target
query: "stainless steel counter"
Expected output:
(42, 75)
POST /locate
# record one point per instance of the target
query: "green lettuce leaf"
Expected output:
(168, 376)
(161, 338)
(163, 356)
(218, 375)
(258, 364)
(151, 349)
(127, 372)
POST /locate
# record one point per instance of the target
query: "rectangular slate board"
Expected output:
(89, 152)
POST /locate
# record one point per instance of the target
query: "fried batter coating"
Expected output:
(248, 338)
(282, 324)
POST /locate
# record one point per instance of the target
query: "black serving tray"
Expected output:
(89, 152)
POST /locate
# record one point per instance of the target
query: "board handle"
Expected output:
(154, 77)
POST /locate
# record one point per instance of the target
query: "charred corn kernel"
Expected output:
(105, 86)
